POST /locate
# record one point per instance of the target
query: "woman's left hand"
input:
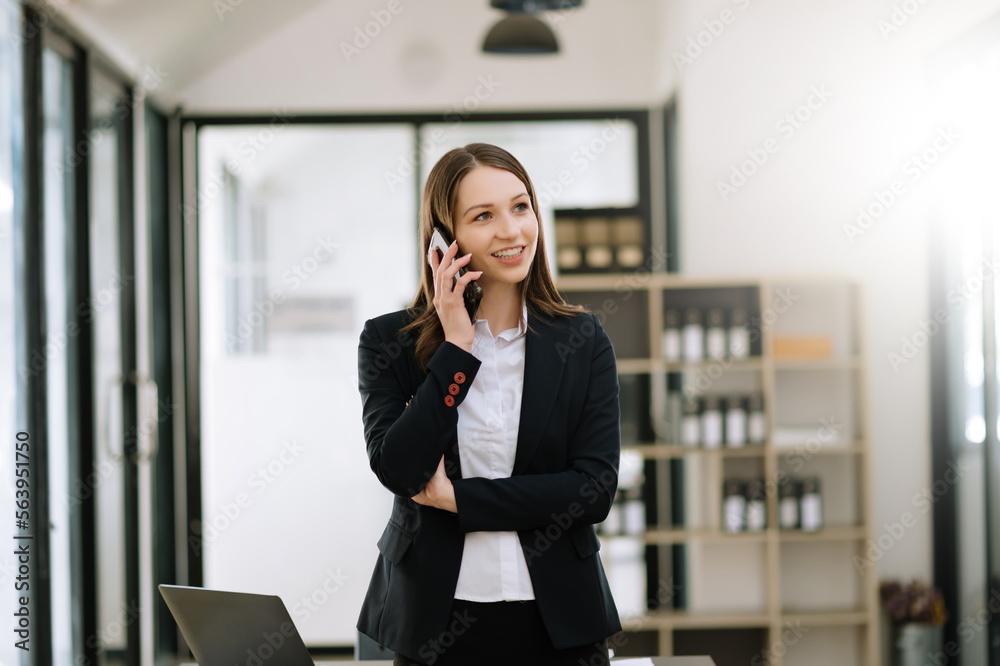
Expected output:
(438, 493)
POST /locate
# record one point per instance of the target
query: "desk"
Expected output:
(657, 661)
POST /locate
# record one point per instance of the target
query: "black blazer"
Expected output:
(564, 479)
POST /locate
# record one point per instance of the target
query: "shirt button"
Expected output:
(454, 389)
(449, 400)
(459, 377)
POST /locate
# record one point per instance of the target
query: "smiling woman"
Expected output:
(487, 438)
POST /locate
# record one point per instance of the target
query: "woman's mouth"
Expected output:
(509, 256)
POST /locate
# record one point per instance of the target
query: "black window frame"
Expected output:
(189, 221)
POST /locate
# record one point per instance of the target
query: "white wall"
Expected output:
(790, 215)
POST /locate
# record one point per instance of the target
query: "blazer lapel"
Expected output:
(543, 370)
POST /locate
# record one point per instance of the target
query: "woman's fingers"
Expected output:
(451, 272)
(466, 279)
(444, 277)
(424, 497)
(448, 298)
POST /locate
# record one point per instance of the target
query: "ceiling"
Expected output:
(187, 39)
(184, 39)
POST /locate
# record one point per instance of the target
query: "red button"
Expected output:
(450, 401)
(454, 389)
(459, 377)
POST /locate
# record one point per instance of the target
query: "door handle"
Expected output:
(147, 439)
(113, 382)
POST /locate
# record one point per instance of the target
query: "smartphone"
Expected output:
(473, 292)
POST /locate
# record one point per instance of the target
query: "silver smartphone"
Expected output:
(473, 292)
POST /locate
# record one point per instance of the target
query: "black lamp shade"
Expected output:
(533, 6)
(520, 33)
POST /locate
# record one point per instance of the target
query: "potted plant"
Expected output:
(917, 615)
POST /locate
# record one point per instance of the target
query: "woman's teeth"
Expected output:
(508, 254)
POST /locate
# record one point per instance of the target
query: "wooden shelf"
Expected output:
(853, 448)
(635, 366)
(682, 536)
(798, 392)
(601, 282)
(656, 451)
(666, 536)
(840, 618)
(653, 451)
(729, 364)
(849, 363)
(667, 620)
(838, 533)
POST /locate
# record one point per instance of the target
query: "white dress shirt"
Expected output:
(493, 565)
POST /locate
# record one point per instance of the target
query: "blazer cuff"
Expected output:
(454, 369)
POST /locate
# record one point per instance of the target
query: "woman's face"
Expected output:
(494, 221)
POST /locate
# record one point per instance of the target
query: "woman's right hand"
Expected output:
(449, 302)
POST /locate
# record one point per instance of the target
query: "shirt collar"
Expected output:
(482, 327)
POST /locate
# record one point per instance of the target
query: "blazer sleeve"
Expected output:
(405, 442)
(581, 494)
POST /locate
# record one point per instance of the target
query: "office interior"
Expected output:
(201, 203)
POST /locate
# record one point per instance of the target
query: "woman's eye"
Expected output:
(521, 207)
(480, 216)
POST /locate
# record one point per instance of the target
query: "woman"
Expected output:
(499, 438)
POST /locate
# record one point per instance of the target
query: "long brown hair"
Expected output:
(538, 290)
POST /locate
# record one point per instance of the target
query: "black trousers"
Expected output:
(504, 633)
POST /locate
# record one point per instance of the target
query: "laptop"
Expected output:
(235, 628)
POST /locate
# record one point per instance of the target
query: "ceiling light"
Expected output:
(533, 6)
(522, 31)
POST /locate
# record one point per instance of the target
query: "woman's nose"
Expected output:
(506, 226)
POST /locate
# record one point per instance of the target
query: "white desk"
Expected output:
(657, 661)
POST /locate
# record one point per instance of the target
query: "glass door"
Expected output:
(10, 100)
(111, 309)
(58, 358)
(288, 220)
(966, 100)
(68, 380)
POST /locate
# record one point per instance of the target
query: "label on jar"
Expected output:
(733, 511)
(788, 513)
(691, 430)
(756, 516)
(711, 429)
(715, 343)
(736, 425)
(812, 514)
(739, 342)
(693, 343)
(671, 345)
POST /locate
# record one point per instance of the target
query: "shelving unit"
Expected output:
(800, 589)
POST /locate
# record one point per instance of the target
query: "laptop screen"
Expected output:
(235, 628)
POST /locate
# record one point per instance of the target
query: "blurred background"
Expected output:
(784, 213)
